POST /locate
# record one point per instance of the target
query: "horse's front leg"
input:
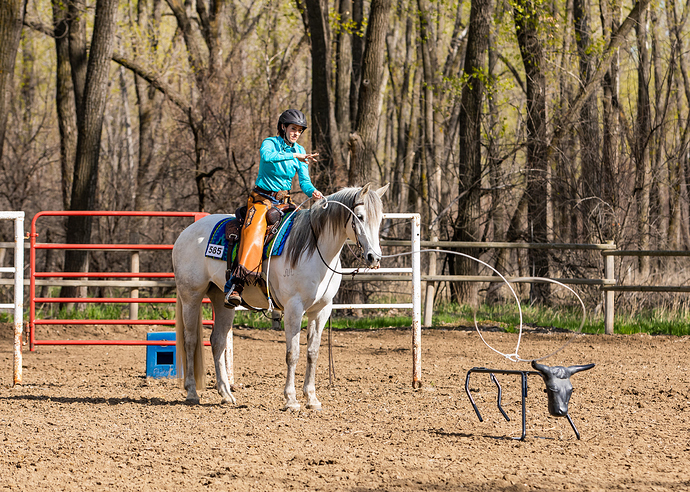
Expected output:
(293, 324)
(221, 345)
(314, 330)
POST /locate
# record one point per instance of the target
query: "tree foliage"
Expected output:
(572, 128)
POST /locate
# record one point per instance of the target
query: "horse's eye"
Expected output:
(360, 217)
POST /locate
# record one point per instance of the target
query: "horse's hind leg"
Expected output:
(314, 330)
(221, 344)
(191, 314)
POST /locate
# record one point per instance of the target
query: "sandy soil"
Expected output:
(87, 418)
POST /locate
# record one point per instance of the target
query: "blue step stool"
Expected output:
(161, 360)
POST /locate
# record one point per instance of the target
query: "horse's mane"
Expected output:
(333, 217)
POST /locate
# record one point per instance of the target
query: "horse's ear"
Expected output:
(382, 190)
(364, 190)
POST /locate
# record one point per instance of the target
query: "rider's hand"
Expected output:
(308, 158)
(317, 195)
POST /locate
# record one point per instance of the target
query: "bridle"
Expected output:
(359, 252)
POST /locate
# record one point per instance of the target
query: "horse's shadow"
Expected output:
(159, 402)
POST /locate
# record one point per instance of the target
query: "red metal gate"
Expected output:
(33, 300)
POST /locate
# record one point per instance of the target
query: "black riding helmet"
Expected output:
(291, 116)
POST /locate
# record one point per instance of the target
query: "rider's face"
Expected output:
(293, 132)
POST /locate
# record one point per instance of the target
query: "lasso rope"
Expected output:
(515, 356)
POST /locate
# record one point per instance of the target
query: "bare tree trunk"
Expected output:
(678, 225)
(11, 21)
(148, 104)
(403, 160)
(610, 19)
(676, 177)
(641, 151)
(27, 85)
(663, 79)
(357, 43)
(343, 80)
(323, 128)
(410, 188)
(64, 101)
(77, 51)
(90, 124)
(431, 159)
(467, 226)
(532, 50)
(498, 210)
(364, 139)
(588, 127)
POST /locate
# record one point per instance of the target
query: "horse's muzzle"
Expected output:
(373, 260)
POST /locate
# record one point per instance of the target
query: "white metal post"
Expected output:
(430, 289)
(18, 292)
(416, 303)
(134, 293)
(609, 295)
(18, 304)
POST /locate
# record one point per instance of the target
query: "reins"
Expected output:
(360, 252)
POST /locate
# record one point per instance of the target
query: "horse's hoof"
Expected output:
(314, 406)
(230, 399)
(291, 407)
(192, 401)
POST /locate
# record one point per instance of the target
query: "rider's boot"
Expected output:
(233, 297)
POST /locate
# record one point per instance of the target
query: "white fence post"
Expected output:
(416, 302)
(134, 293)
(609, 295)
(430, 288)
(18, 304)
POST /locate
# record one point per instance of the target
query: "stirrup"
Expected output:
(232, 299)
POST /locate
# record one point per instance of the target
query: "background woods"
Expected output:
(503, 120)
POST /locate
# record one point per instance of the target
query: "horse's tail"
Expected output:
(199, 371)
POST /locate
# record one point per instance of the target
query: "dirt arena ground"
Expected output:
(86, 418)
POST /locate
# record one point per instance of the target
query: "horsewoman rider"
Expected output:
(281, 158)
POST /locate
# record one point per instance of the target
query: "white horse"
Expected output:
(303, 280)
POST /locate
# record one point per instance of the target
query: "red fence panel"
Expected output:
(33, 300)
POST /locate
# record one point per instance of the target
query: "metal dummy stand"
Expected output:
(523, 375)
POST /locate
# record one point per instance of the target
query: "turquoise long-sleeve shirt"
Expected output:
(278, 166)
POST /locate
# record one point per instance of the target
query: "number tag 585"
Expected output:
(215, 250)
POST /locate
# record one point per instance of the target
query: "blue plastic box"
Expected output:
(161, 361)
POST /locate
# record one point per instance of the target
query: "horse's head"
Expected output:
(368, 212)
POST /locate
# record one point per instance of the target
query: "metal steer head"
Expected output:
(558, 386)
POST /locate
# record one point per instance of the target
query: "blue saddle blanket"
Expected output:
(217, 246)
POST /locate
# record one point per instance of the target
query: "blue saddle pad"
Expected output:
(217, 246)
